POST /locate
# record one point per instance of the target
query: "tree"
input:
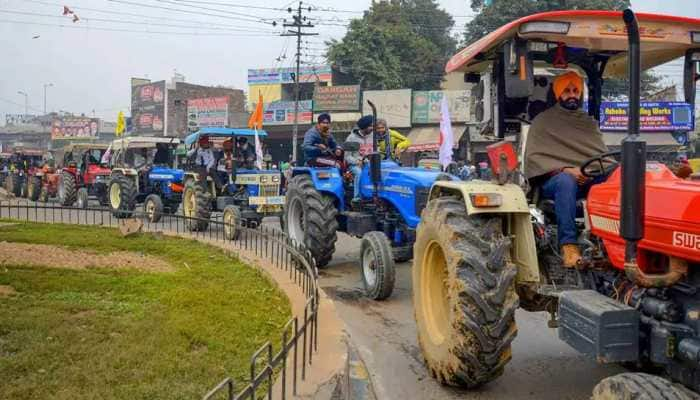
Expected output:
(500, 12)
(396, 44)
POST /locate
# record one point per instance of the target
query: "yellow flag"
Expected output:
(121, 125)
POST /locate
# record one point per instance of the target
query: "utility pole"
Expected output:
(46, 85)
(26, 102)
(299, 23)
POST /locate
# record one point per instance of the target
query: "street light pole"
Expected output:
(46, 85)
(26, 102)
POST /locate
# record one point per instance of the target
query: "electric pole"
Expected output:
(299, 23)
(46, 85)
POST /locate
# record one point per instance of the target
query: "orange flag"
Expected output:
(256, 119)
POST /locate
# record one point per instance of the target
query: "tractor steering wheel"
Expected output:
(601, 169)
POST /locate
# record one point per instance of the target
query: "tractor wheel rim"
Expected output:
(434, 293)
(150, 209)
(189, 203)
(228, 224)
(115, 194)
(369, 266)
(295, 220)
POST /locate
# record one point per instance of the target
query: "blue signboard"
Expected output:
(653, 116)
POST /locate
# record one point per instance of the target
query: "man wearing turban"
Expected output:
(560, 139)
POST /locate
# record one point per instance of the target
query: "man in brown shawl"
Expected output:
(559, 141)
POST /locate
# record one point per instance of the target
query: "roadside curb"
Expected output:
(359, 385)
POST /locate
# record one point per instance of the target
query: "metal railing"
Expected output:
(261, 241)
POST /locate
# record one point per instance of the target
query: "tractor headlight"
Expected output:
(275, 179)
(486, 199)
(263, 179)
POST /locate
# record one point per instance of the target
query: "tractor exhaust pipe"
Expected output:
(633, 157)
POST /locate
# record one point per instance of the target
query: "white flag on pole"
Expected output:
(446, 136)
(258, 151)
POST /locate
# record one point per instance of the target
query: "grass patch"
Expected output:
(128, 334)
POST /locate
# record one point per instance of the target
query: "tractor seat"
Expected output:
(547, 205)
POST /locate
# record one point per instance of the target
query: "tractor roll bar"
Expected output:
(633, 154)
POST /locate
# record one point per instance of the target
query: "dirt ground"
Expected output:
(7, 291)
(59, 257)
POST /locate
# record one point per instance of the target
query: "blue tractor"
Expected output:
(318, 205)
(242, 193)
(143, 172)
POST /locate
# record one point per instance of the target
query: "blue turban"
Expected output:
(365, 121)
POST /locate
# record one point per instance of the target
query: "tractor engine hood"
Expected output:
(166, 174)
(419, 177)
(95, 169)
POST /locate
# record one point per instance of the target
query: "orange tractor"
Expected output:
(483, 249)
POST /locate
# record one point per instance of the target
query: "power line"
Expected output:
(187, 11)
(214, 3)
(125, 13)
(93, 28)
(211, 9)
(83, 18)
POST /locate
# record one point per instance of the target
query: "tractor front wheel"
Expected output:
(196, 206)
(44, 195)
(639, 386)
(122, 196)
(82, 198)
(310, 219)
(232, 222)
(34, 188)
(463, 294)
(376, 259)
(153, 208)
(67, 191)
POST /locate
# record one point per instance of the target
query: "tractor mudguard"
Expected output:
(326, 180)
(514, 204)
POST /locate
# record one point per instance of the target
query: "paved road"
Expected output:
(542, 368)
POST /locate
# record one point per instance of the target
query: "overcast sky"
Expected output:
(89, 62)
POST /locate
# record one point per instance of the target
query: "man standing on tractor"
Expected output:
(559, 141)
(355, 159)
(205, 161)
(245, 153)
(319, 140)
(397, 142)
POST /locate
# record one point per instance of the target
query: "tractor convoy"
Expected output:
(480, 249)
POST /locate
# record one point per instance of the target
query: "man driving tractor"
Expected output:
(559, 141)
(318, 141)
(204, 160)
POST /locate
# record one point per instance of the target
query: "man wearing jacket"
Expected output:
(362, 135)
(396, 142)
(319, 140)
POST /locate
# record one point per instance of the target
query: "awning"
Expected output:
(662, 141)
(427, 138)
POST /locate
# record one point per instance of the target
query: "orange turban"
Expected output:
(562, 81)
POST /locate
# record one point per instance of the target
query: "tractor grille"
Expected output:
(269, 190)
(421, 199)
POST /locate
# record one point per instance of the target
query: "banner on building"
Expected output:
(207, 112)
(148, 108)
(267, 76)
(282, 113)
(653, 116)
(337, 98)
(392, 105)
(426, 106)
(74, 128)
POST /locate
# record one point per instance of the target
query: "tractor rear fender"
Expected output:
(130, 172)
(328, 181)
(514, 206)
(191, 175)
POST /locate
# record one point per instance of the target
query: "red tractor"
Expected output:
(83, 175)
(483, 249)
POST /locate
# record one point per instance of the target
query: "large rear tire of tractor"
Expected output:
(376, 259)
(122, 196)
(196, 205)
(310, 219)
(463, 294)
(639, 386)
(232, 222)
(34, 188)
(67, 190)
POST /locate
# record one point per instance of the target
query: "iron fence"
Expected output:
(299, 335)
